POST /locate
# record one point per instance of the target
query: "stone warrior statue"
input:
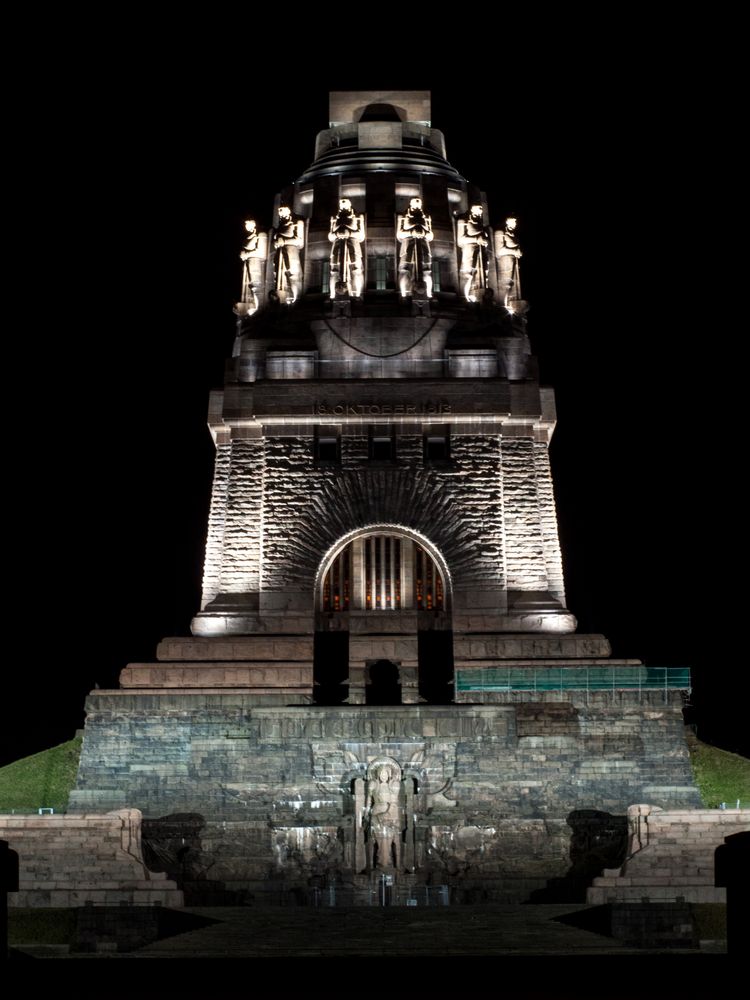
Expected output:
(473, 238)
(384, 816)
(414, 233)
(347, 233)
(288, 240)
(508, 253)
(253, 255)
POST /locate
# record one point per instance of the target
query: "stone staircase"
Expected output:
(78, 858)
(671, 856)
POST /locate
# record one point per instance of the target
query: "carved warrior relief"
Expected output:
(288, 238)
(414, 233)
(384, 818)
(347, 234)
(473, 239)
(253, 256)
(508, 254)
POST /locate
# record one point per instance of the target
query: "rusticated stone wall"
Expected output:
(548, 522)
(216, 518)
(243, 518)
(526, 567)
(271, 788)
(490, 511)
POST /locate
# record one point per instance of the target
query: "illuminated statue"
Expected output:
(288, 240)
(415, 260)
(473, 238)
(347, 233)
(253, 255)
(384, 815)
(508, 253)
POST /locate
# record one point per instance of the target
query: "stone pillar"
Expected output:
(359, 588)
(356, 683)
(408, 859)
(360, 857)
(407, 573)
(409, 676)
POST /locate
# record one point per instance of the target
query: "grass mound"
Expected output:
(721, 776)
(41, 926)
(43, 780)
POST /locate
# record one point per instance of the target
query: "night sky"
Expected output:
(129, 268)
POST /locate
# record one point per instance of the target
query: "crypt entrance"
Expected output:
(383, 626)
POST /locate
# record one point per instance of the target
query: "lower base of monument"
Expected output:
(501, 802)
(218, 863)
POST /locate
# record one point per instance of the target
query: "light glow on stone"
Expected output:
(389, 529)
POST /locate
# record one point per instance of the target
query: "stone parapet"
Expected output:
(248, 647)
(470, 643)
(288, 772)
(268, 677)
(385, 647)
(237, 624)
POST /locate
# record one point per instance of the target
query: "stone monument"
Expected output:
(383, 677)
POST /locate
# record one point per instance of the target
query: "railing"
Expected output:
(384, 892)
(564, 678)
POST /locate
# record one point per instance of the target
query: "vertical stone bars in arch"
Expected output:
(407, 574)
(381, 561)
(382, 568)
(371, 542)
(359, 583)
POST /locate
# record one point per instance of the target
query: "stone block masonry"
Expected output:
(275, 513)
(670, 856)
(216, 524)
(71, 860)
(253, 777)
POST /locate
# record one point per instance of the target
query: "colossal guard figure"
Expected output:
(288, 240)
(347, 234)
(415, 234)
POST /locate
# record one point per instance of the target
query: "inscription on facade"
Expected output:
(380, 727)
(379, 409)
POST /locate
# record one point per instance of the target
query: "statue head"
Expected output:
(476, 211)
(345, 205)
(250, 225)
(415, 205)
(510, 224)
(384, 773)
(285, 213)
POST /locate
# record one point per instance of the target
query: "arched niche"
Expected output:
(383, 568)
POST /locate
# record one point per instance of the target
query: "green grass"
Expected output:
(43, 780)
(41, 926)
(720, 776)
(710, 920)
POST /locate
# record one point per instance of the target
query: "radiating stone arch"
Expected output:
(401, 530)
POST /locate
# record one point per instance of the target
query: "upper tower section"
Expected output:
(381, 261)
(379, 130)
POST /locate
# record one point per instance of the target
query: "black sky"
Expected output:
(132, 189)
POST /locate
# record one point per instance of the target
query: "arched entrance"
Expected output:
(383, 596)
(383, 568)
